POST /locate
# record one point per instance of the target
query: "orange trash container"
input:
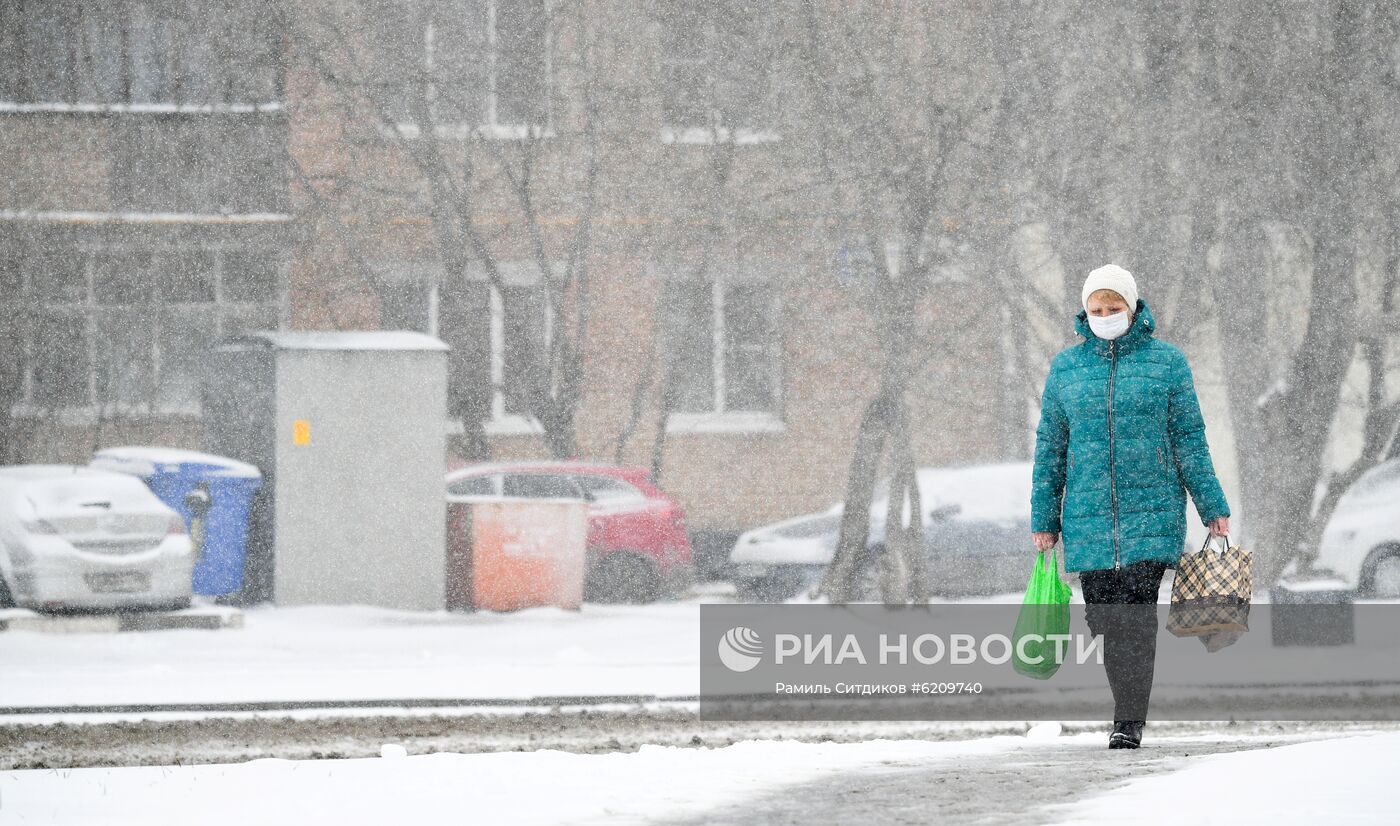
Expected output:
(508, 554)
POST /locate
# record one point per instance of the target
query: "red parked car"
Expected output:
(638, 549)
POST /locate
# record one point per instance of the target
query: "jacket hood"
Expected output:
(1143, 327)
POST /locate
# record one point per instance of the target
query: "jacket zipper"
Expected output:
(1112, 487)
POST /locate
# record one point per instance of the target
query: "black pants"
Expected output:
(1122, 606)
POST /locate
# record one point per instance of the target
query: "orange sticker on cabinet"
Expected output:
(301, 432)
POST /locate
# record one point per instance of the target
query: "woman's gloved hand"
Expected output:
(1044, 540)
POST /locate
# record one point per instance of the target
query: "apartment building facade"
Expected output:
(628, 178)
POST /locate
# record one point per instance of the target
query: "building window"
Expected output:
(497, 335)
(520, 332)
(187, 84)
(138, 52)
(125, 329)
(472, 66)
(717, 69)
(725, 342)
(185, 164)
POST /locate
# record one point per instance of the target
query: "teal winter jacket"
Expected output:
(1120, 442)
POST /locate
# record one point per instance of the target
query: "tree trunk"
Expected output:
(905, 570)
(851, 551)
(11, 378)
(1298, 415)
(1240, 291)
(897, 301)
(1300, 418)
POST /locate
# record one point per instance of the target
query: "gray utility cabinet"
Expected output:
(348, 429)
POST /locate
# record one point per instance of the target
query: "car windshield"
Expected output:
(813, 527)
(473, 486)
(981, 492)
(74, 493)
(930, 492)
(608, 489)
(541, 486)
(1378, 481)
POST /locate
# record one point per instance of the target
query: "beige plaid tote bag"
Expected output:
(1211, 591)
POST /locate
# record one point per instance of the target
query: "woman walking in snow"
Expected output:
(1120, 442)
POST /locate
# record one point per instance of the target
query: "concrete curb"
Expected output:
(204, 618)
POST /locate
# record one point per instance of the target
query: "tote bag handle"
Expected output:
(1223, 548)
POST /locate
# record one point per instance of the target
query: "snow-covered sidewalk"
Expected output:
(359, 653)
(1346, 780)
(995, 778)
(530, 787)
(350, 654)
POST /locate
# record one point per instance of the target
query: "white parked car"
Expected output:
(1361, 542)
(79, 538)
(773, 563)
(976, 536)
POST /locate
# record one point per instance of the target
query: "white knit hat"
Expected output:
(1111, 277)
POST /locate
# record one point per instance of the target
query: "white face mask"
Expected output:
(1111, 326)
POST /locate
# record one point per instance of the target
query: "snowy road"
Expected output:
(72, 741)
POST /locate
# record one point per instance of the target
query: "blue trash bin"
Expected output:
(172, 474)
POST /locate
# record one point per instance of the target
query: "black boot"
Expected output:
(1127, 734)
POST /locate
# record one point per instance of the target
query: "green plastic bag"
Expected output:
(1044, 611)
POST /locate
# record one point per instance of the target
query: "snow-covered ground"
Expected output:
(1346, 780)
(328, 654)
(534, 787)
(354, 653)
(357, 653)
(529, 787)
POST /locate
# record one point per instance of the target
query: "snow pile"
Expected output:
(1044, 731)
